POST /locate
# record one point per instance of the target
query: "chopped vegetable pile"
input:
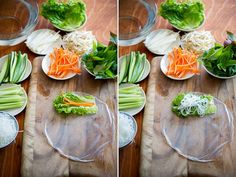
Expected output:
(198, 41)
(11, 97)
(72, 103)
(102, 61)
(79, 42)
(181, 63)
(221, 60)
(132, 67)
(14, 68)
(63, 62)
(162, 41)
(188, 14)
(192, 104)
(67, 15)
(130, 97)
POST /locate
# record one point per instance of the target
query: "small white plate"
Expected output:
(45, 66)
(152, 34)
(146, 71)
(16, 126)
(28, 67)
(56, 44)
(134, 111)
(70, 30)
(219, 77)
(15, 111)
(164, 66)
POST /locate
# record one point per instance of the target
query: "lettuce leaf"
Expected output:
(211, 107)
(68, 15)
(61, 107)
(186, 15)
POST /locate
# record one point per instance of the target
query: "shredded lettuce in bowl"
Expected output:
(187, 15)
(65, 15)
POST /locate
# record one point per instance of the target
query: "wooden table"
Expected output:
(101, 22)
(220, 16)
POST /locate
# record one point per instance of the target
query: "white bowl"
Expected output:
(16, 126)
(146, 71)
(134, 111)
(219, 77)
(45, 66)
(15, 111)
(150, 36)
(28, 67)
(164, 65)
(57, 44)
(70, 30)
(134, 124)
(189, 30)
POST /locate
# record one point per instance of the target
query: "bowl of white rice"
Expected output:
(127, 129)
(9, 129)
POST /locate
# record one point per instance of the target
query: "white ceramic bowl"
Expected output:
(70, 30)
(134, 124)
(219, 77)
(16, 126)
(189, 30)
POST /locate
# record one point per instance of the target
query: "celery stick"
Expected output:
(128, 100)
(11, 98)
(11, 105)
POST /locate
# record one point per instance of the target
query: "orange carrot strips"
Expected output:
(63, 62)
(181, 63)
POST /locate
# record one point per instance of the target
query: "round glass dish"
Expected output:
(136, 20)
(198, 138)
(81, 138)
(17, 20)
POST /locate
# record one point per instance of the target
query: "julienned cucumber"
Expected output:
(14, 68)
(132, 67)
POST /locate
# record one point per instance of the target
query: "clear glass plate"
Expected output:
(199, 138)
(81, 138)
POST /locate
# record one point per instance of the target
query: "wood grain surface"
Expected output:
(157, 157)
(102, 18)
(221, 16)
(39, 158)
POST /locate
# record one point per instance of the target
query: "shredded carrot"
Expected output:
(181, 63)
(63, 62)
(72, 103)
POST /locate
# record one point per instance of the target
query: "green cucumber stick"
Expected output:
(5, 70)
(138, 67)
(124, 66)
(131, 66)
